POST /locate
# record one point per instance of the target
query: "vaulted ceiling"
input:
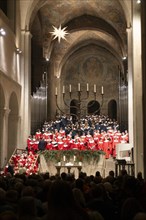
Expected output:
(95, 22)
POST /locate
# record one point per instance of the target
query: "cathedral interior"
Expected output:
(96, 66)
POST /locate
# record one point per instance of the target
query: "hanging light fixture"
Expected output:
(2, 32)
(138, 1)
(59, 33)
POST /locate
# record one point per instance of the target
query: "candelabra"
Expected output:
(80, 99)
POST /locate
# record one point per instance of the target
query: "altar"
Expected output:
(72, 165)
(68, 167)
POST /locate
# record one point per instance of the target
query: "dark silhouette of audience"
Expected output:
(64, 197)
(62, 205)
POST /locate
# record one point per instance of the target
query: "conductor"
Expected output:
(42, 144)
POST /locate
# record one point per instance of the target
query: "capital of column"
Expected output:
(129, 29)
(26, 32)
(5, 111)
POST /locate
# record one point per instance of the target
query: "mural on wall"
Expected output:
(92, 67)
(82, 71)
(91, 70)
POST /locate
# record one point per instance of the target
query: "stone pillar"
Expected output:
(26, 86)
(18, 131)
(137, 90)
(12, 131)
(4, 147)
(143, 9)
(130, 86)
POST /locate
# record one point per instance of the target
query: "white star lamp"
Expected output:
(59, 33)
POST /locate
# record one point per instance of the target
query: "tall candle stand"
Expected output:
(80, 99)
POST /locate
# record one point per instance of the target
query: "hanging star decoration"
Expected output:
(59, 33)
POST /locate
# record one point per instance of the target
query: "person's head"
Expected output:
(123, 172)
(63, 176)
(27, 206)
(140, 216)
(2, 195)
(97, 173)
(8, 215)
(79, 198)
(28, 191)
(108, 187)
(94, 215)
(60, 195)
(139, 175)
(111, 173)
(130, 208)
(12, 196)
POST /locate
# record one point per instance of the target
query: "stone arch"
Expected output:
(82, 43)
(125, 6)
(112, 109)
(74, 106)
(12, 124)
(31, 13)
(93, 107)
(2, 97)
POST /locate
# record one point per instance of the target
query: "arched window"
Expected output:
(3, 6)
(9, 9)
(12, 124)
(74, 109)
(93, 107)
(112, 109)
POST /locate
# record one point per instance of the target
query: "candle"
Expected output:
(94, 87)
(87, 87)
(102, 92)
(56, 91)
(69, 88)
(79, 88)
(63, 91)
(74, 158)
(43, 77)
(64, 158)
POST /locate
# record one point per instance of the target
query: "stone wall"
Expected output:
(92, 65)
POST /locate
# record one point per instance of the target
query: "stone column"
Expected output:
(18, 131)
(143, 9)
(4, 147)
(137, 90)
(12, 131)
(26, 86)
(130, 86)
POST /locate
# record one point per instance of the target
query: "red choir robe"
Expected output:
(100, 144)
(107, 148)
(91, 144)
(115, 142)
(38, 135)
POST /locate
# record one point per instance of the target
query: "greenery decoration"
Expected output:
(80, 155)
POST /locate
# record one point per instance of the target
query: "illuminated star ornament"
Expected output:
(59, 33)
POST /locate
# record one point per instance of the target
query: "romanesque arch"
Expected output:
(74, 106)
(12, 124)
(112, 109)
(93, 107)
